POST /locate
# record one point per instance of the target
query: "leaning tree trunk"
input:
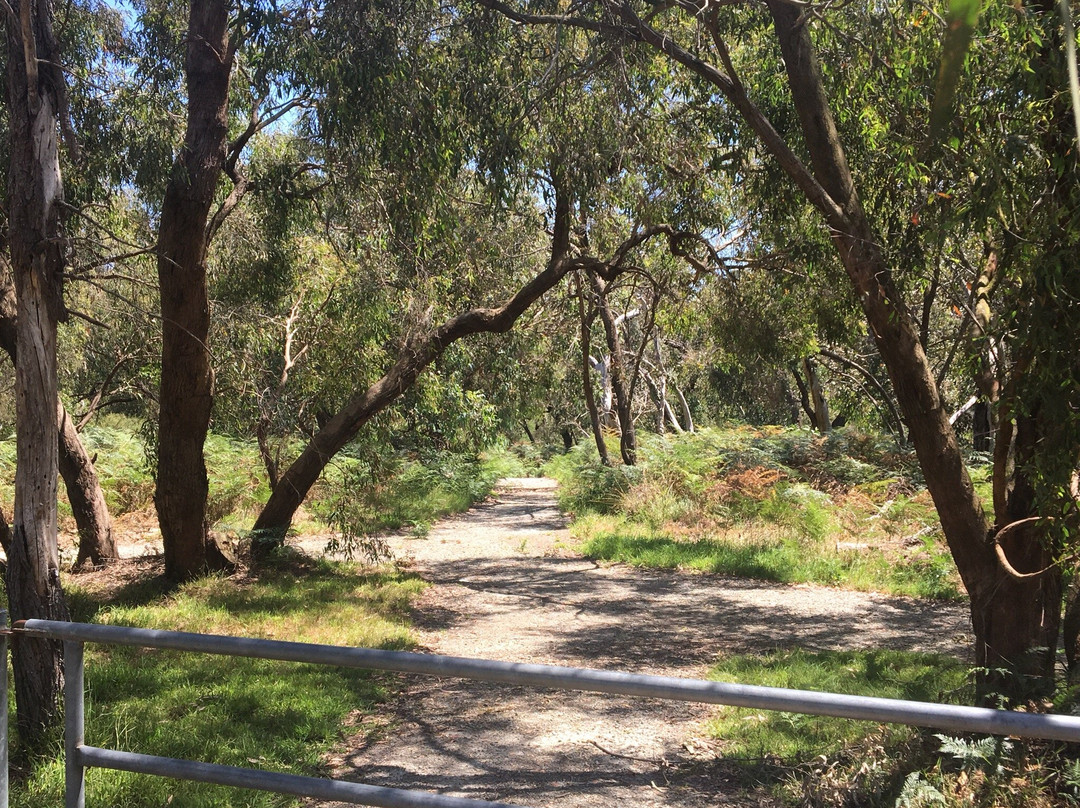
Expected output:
(186, 376)
(1004, 610)
(35, 96)
(87, 500)
(276, 516)
(627, 438)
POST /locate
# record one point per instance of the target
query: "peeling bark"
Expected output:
(35, 95)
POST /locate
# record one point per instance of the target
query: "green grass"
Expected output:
(252, 713)
(792, 737)
(836, 763)
(786, 559)
(772, 503)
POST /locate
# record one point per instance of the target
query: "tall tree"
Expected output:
(186, 376)
(37, 101)
(1010, 615)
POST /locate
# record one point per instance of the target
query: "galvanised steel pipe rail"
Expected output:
(866, 708)
(274, 781)
(939, 716)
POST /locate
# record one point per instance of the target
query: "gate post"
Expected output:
(74, 771)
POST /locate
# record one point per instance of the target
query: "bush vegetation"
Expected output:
(775, 503)
(816, 762)
(362, 493)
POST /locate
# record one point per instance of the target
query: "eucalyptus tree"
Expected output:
(1011, 613)
(37, 105)
(80, 36)
(497, 143)
(184, 59)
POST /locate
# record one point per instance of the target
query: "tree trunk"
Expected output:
(96, 542)
(986, 373)
(607, 397)
(982, 427)
(688, 418)
(5, 533)
(80, 479)
(657, 397)
(627, 438)
(35, 97)
(586, 320)
(822, 422)
(1004, 610)
(276, 516)
(804, 397)
(186, 376)
(830, 188)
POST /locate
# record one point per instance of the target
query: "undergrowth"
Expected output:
(817, 762)
(359, 494)
(779, 504)
(253, 713)
(362, 497)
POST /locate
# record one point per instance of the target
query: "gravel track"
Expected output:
(504, 586)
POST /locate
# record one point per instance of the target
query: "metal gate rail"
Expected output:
(948, 717)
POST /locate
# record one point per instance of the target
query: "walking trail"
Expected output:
(505, 587)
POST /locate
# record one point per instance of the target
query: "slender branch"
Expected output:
(100, 392)
(870, 377)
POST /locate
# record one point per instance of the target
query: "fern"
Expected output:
(976, 754)
(918, 793)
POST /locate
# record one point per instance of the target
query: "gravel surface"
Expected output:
(504, 586)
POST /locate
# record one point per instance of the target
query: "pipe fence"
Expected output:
(79, 756)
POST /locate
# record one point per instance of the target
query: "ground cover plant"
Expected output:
(847, 509)
(362, 494)
(253, 713)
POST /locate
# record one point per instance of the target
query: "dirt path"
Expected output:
(505, 588)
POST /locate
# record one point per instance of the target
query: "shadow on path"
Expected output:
(505, 588)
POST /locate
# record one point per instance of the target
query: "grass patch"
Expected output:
(835, 763)
(793, 737)
(253, 713)
(773, 503)
(777, 556)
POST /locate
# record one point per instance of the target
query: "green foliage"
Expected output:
(363, 496)
(585, 485)
(917, 793)
(791, 737)
(239, 486)
(250, 713)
